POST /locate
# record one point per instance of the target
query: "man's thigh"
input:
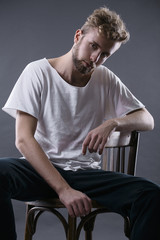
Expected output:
(115, 191)
(18, 180)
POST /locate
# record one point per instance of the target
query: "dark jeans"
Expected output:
(132, 196)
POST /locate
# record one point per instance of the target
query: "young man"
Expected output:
(65, 110)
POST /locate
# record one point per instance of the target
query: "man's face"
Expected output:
(91, 50)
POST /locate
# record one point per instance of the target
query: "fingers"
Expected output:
(97, 138)
(94, 143)
(85, 144)
(80, 208)
(87, 205)
(101, 147)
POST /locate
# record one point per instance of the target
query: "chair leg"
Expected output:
(88, 235)
(27, 235)
(127, 227)
(71, 235)
(88, 228)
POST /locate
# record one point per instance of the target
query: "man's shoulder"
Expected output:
(37, 64)
(35, 72)
(103, 71)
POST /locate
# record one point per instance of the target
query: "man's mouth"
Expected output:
(89, 65)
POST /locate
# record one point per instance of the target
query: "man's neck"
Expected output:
(65, 68)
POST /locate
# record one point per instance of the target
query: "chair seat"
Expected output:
(56, 203)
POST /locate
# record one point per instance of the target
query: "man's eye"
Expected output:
(104, 55)
(94, 46)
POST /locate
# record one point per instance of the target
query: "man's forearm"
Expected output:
(140, 120)
(32, 151)
(40, 162)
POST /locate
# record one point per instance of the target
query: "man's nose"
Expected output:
(95, 57)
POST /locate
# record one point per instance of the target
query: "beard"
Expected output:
(79, 64)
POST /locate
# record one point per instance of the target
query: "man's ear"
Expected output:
(77, 35)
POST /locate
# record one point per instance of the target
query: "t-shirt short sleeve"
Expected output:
(121, 100)
(26, 93)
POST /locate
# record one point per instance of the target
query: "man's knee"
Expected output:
(7, 170)
(150, 194)
(6, 166)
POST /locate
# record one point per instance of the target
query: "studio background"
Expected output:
(34, 29)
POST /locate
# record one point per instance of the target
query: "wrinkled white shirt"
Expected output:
(67, 113)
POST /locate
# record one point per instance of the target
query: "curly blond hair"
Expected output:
(108, 23)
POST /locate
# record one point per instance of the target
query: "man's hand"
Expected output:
(140, 120)
(97, 138)
(77, 203)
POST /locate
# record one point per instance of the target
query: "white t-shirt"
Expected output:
(67, 113)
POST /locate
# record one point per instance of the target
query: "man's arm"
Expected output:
(77, 203)
(140, 120)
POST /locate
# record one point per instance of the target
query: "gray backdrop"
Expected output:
(34, 29)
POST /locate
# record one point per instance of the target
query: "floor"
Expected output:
(108, 226)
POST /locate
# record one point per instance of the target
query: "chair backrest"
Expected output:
(120, 153)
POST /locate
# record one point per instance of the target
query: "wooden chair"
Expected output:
(120, 155)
